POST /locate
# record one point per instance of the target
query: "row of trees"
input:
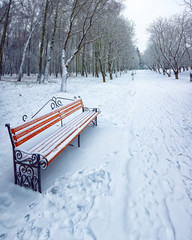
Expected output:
(170, 44)
(59, 37)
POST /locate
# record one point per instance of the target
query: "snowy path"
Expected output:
(130, 180)
(158, 169)
(154, 182)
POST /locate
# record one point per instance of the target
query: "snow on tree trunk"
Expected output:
(176, 72)
(46, 75)
(169, 74)
(24, 54)
(64, 74)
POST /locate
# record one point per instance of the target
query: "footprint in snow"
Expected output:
(5, 200)
(167, 187)
(3, 236)
(65, 207)
(112, 154)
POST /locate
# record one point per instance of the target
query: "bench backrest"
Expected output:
(30, 129)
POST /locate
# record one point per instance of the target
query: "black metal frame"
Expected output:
(55, 102)
(27, 166)
(94, 122)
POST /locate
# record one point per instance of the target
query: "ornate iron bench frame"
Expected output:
(28, 165)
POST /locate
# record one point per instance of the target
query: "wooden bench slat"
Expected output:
(31, 126)
(62, 137)
(75, 107)
(34, 127)
(48, 143)
(27, 124)
(61, 147)
(28, 164)
(40, 146)
(65, 114)
(36, 133)
(68, 108)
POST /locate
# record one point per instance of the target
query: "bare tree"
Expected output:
(50, 50)
(5, 26)
(89, 12)
(168, 35)
(30, 10)
(42, 41)
(114, 46)
(92, 32)
(188, 3)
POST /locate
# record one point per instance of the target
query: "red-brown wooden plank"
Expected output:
(67, 132)
(27, 124)
(27, 131)
(71, 140)
(35, 133)
(54, 136)
(73, 130)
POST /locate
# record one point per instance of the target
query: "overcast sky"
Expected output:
(143, 12)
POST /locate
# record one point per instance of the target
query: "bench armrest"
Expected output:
(91, 109)
(30, 158)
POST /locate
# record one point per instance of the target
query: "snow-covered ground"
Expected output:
(132, 177)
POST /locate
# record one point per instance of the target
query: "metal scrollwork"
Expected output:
(24, 118)
(27, 169)
(86, 109)
(92, 109)
(55, 102)
(18, 155)
(26, 177)
(30, 158)
(43, 163)
(96, 110)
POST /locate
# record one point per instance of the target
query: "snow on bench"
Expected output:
(52, 135)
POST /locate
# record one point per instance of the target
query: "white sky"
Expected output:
(144, 12)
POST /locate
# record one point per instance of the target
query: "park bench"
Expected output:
(36, 143)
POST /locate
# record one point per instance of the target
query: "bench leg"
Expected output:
(27, 170)
(96, 121)
(15, 167)
(39, 174)
(79, 140)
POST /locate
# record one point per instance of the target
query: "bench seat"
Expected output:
(60, 139)
(38, 142)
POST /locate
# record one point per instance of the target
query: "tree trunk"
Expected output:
(42, 43)
(169, 74)
(50, 49)
(83, 63)
(64, 74)
(24, 54)
(109, 62)
(96, 65)
(93, 60)
(176, 72)
(29, 60)
(46, 75)
(110, 71)
(102, 70)
(4, 36)
(76, 65)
